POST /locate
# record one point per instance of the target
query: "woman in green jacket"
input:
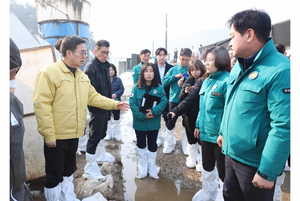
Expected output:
(212, 100)
(146, 125)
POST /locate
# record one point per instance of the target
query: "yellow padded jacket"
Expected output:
(60, 102)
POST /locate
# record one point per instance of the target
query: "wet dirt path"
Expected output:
(176, 183)
(147, 188)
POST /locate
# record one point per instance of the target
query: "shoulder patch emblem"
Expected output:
(154, 91)
(131, 95)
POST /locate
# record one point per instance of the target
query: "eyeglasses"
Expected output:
(82, 53)
(105, 53)
(185, 60)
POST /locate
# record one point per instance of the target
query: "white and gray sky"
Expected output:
(133, 25)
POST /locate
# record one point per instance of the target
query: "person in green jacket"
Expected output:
(255, 129)
(146, 125)
(211, 107)
(144, 56)
(174, 78)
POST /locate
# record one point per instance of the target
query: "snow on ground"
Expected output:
(126, 78)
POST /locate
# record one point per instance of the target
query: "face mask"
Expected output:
(12, 83)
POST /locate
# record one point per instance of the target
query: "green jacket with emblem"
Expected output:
(211, 106)
(171, 80)
(256, 120)
(140, 122)
(136, 73)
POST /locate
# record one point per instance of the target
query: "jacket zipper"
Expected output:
(76, 104)
(234, 95)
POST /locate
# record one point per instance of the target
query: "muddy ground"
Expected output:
(172, 166)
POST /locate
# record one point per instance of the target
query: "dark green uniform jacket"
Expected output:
(256, 120)
(211, 107)
(136, 72)
(140, 122)
(171, 80)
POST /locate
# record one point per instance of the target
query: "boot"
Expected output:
(102, 155)
(108, 131)
(117, 130)
(199, 160)
(220, 191)
(184, 142)
(170, 142)
(91, 169)
(67, 190)
(142, 163)
(287, 167)
(52, 194)
(160, 139)
(209, 189)
(134, 138)
(82, 142)
(277, 191)
(191, 160)
(153, 170)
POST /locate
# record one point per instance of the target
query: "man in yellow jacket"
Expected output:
(61, 95)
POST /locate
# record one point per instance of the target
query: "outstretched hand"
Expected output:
(123, 106)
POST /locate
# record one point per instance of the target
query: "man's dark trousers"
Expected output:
(238, 183)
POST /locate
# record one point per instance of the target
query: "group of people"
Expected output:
(239, 115)
(196, 53)
(241, 118)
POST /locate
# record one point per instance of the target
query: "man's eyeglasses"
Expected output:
(104, 53)
(82, 53)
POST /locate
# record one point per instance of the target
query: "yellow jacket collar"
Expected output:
(63, 66)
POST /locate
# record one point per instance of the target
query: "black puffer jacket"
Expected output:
(191, 99)
(98, 73)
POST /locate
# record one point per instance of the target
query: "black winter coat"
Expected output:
(98, 73)
(183, 95)
(192, 98)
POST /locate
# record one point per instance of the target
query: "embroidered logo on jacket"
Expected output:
(253, 75)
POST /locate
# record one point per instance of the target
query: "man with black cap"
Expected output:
(18, 187)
